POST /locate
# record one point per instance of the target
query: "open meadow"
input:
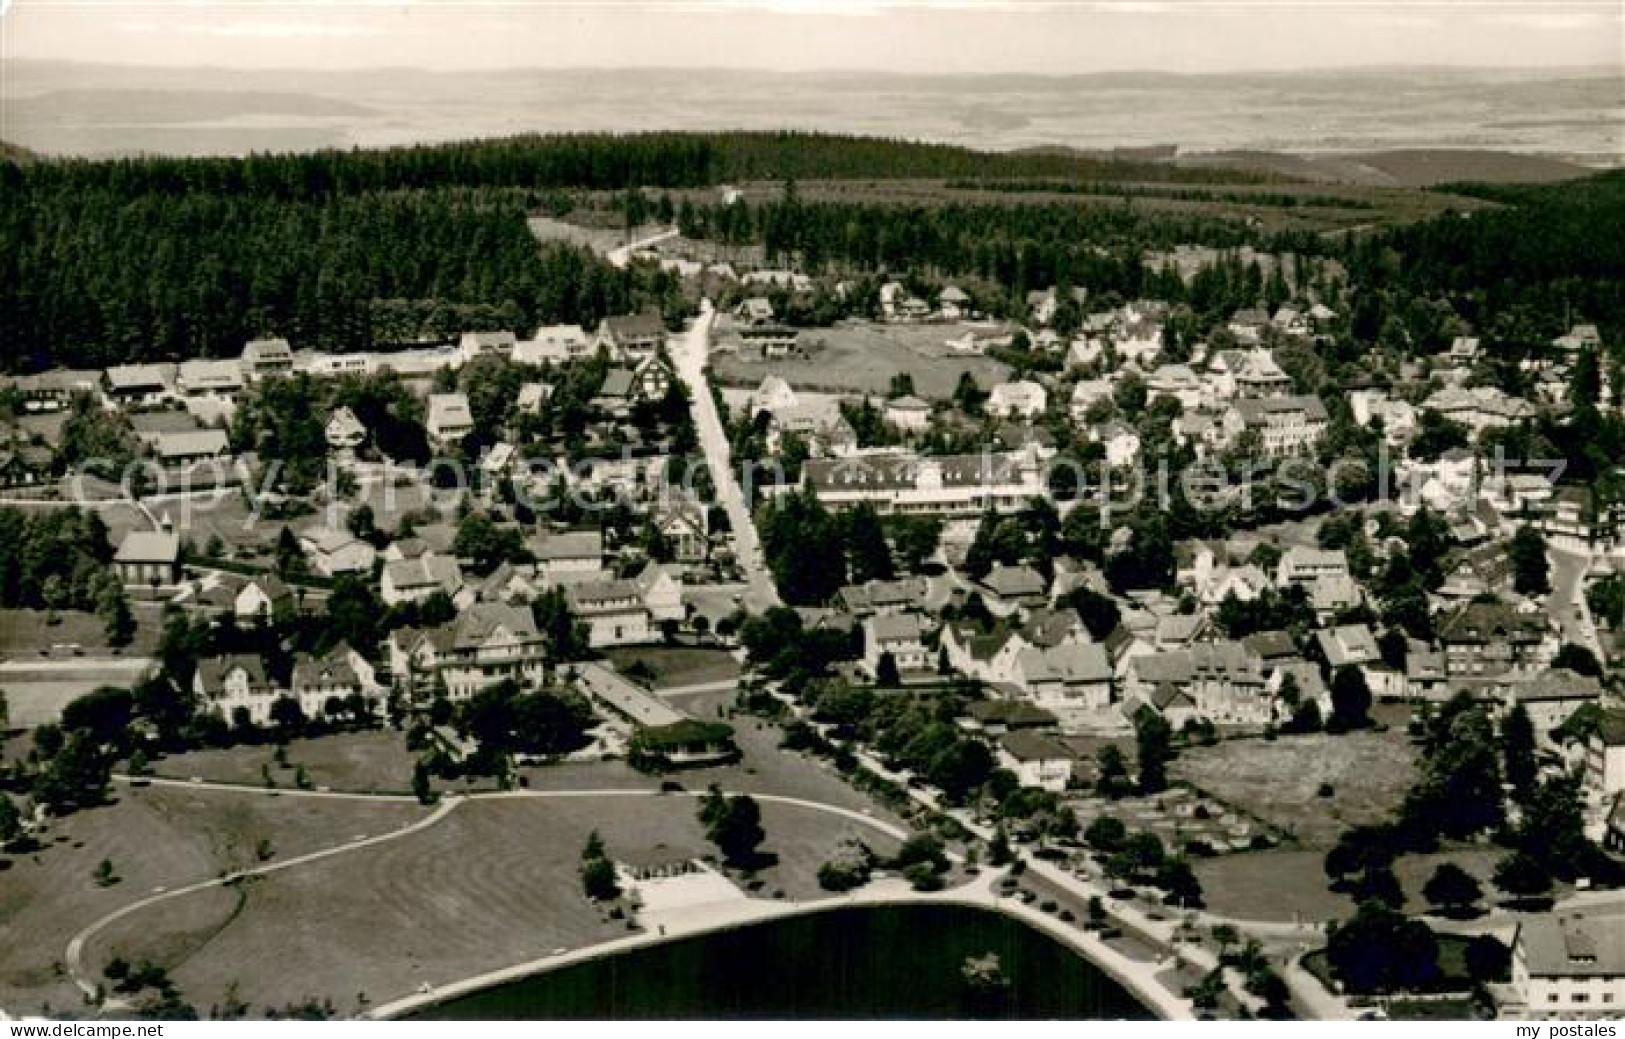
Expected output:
(154, 837)
(492, 884)
(1312, 787)
(862, 357)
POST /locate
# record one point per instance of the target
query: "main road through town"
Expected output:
(690, 354)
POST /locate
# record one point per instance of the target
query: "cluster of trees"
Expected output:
(226, 249)
(101, 268)
(1273, 199)
(734, 825)
(1141, 858)
(812, 552)
(1012, 247)
(782, 648)
(1459, 795)
(1032, 536)
(70, 764)
(921, 859)
(505, 720)
(919, 736)
(284, 420)
(598, 877)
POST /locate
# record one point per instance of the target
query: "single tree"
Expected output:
(1451, 888)
(1153, 741)
(1522, 875)
(1518, 751)
(1351, 699)
(1531, 574)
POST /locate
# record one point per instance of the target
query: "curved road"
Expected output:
(74, 957)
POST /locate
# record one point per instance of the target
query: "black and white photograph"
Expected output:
(903, 512)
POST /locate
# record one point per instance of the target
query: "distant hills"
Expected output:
(1364, 126)
(1408, 167)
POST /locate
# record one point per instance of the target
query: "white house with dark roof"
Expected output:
(344, 432)
(1037, 760)
(148, 557)
(903, 635)
(492, 642)
(261, 597)
(213, 379)
(554, 344)
(125, 385)
(939, 485)
(632, 335)
(1285, 425)
(907, 413)
(613, 611)
(1222, 682)
(235, 687)
(1008, 588)
(340, 674)
(1570, 965)
(475, 345)
(1020, 399)
(266, 357)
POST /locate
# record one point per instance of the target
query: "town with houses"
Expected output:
(961, 594)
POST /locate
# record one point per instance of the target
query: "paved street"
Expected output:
(690, 355)
(1567, 603)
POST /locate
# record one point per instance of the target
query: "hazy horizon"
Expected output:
(1593, 70)
(955, 37)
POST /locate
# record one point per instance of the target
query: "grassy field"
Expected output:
(153, 837)
(360, 762)
(862, 357)
(494, 883)
(29, 633)
(378, 762)
(1292, 885)
(599, 239)
(676, 666)
(1280, 781)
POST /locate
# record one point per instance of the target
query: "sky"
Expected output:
(960, 37)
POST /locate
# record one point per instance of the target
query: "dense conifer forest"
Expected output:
(105, 262)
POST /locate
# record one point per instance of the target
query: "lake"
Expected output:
(861, 963)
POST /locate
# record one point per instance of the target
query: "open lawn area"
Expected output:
(600, 240)
(862, 357)
(1281, 781)
(671, 667)
(1270, 885)
(153, 837)
(493, 884)
(1291, 884)
(31, 634)
(44, 665)
(358, 762)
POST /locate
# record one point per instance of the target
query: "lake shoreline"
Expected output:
(1136, 979)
